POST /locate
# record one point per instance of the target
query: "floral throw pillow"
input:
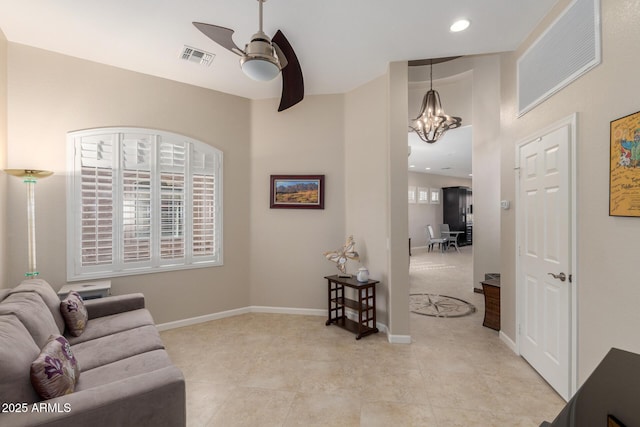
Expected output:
(74, 313)
(55, 372)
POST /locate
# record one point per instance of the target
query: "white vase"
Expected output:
(363, 275)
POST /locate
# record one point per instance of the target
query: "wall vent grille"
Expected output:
(197, 56)
(565, 51)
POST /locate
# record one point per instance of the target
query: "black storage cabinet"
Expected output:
(457, 211)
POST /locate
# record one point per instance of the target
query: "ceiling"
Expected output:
(340, 44)
(449, 156)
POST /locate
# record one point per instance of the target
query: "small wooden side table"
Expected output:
(365, 305)
(491, 290)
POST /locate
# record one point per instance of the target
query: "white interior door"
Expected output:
(544, 252)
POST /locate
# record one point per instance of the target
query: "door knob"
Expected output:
(560, 276)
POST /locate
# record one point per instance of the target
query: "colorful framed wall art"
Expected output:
(624, 166)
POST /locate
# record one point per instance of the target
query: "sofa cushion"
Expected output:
(118, 346)
(17, 351)
(107, 325)
(4, 293)
(33, 313)
(55, 371)
(48, 295)
(74, 313)
(122, 369)
(114, 304)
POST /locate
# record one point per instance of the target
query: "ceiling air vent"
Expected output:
(197, 56)
(566, 50)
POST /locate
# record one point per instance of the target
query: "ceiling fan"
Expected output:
(263, 59)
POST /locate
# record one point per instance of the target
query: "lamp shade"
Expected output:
(29, 173)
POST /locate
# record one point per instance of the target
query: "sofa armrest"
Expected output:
(101, 307)
(155, 399)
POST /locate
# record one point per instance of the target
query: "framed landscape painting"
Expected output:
(297, 191)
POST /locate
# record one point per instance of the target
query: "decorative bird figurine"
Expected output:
(341, 256)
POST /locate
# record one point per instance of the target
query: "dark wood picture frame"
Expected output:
(297, 192)
(624, 166)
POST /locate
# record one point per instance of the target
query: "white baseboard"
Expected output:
(287, 310)
(399, 339)
(201, 319)
(394, 339)
(509, 342)
(237, 312)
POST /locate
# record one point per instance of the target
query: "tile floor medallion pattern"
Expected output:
(288, 370)
(439, 305)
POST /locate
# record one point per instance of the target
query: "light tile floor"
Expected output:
(288, 370)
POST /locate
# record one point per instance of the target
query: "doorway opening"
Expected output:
(441, 195)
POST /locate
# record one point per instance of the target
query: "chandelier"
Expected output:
(432, 122)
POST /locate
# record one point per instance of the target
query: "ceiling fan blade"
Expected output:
(220, 35)
(292, 80)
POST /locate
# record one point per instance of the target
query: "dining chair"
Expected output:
(432, 239)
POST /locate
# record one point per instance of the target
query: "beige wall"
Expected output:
(285, 255)
(376, 188)
(51, 94)
(421, 214)
(607, 288)
(397, 228)
(366, 159)
(3, 162)
(486, 166)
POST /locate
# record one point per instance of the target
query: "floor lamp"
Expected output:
(30, 177)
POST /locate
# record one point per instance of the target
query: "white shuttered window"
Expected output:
(142, 201)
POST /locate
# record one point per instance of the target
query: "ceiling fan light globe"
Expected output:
(260, 62)
(260, 69)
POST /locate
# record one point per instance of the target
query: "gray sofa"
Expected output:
(126, 379)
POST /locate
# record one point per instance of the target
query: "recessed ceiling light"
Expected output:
(459, 25)
(470, 174)
(412, 166)
(427, 169)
